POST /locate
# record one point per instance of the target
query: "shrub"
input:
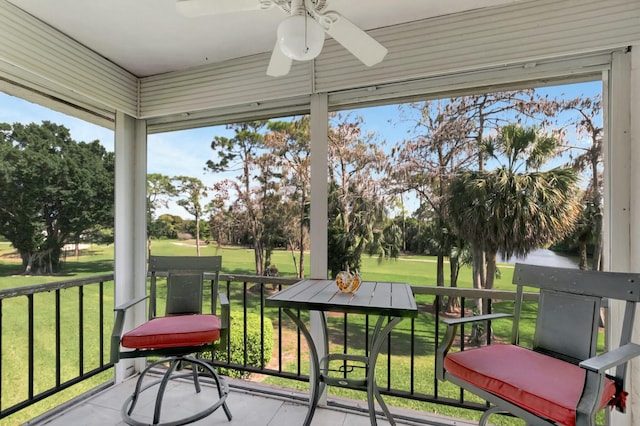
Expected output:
(237, 344)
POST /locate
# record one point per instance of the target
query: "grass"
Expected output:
(96, 260)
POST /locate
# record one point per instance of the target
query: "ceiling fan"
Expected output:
(301, 35)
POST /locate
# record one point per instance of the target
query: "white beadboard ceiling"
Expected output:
(148, 37)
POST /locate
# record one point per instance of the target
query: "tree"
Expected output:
(272, 214)
(289, 143)
(221, 219)
(515, 207)
(191, 191)
(388, 243)
(168, 226)
(488, 112)
(426, 163)
(54, 191)
(240, 154)
(356, 203)
(586, 155)
(159, 189)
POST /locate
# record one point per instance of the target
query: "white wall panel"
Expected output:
(34, 54)
(236, 82)
(231, 114)
(485, 39)
(517, 76)
(514, 43)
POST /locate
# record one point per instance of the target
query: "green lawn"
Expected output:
(95, 260)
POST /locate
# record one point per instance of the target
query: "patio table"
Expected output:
(391, 302)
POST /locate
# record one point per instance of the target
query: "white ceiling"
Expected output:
(148, 37)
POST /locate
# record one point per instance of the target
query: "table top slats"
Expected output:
(376, 298)
(382, 295)
(403, 297)
(301, 292)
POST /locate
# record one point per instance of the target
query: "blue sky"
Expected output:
(186, 152)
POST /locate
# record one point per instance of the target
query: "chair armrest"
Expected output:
(118, 325)
(225, 319)
(447, 340)
(130, 303)
(613, 358)
(476, 318)
(596, 368)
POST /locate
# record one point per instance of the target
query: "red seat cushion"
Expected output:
(174, 331)
(544, 385)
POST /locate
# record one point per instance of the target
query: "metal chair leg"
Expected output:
(485, 416)
(222, 390)
(196, 377)
(170, 374)
(161, 390)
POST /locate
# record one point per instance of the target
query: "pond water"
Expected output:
(544, 257)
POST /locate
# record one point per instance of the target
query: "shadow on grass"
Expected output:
(8, 269)
(67, 269)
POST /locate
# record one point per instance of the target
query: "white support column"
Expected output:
(634, 235)
(319, 211)
(130, 223)
(319, 188)
(617, 159)
(622, 198)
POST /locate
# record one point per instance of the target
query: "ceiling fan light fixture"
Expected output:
(300, 37)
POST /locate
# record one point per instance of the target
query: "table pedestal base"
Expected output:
(320, 367)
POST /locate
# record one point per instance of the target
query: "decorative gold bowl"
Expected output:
(348, 282)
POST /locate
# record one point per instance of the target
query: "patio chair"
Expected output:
(561, 379)
(175, 337)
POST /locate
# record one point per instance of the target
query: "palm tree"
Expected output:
(356, 200)
(515, 207)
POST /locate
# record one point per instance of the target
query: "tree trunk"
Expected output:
(479, 281)
(597, 242)
(301, 270)
(258, 255)
(293, 258)
(582, 244)
(27, 262)
(197, 235)
(491, 270)
(453, 304)
(597, 232)
(440, 270)
(267, 259)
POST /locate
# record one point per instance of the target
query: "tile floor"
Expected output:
(247, 407)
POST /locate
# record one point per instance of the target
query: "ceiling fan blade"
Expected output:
(352, 38)
(279, 64)
(193, 8)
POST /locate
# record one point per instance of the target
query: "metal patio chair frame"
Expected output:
(567, 326)
(185, 293)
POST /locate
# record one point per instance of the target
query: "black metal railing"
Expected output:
(411, 342)
(80, 313)
(35, 366)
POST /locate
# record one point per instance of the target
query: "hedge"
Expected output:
(253, 344)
